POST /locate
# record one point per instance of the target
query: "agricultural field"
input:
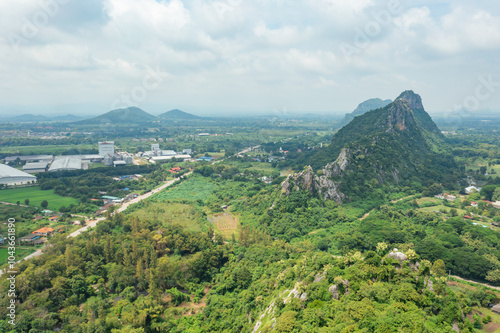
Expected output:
(193, 189)
(40, 150)
(36, 196)
(21, 252)
(225, 223)
(441, 208)
(187, 216)
(494, 325)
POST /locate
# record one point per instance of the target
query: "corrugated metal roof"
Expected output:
(66, 163)
(10, 172)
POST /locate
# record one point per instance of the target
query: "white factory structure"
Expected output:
(106, 148)
(43, 163)
(12, 176)
(157, 154)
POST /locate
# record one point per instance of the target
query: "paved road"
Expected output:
(483, 284)
(92, 223)
(124, 206)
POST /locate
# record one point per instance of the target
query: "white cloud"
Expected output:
(262, 52)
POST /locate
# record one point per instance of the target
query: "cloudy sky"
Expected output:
(246, 56)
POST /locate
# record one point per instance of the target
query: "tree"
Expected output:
(439, 268)
(496, 195)
(26, 202)
(44, 204)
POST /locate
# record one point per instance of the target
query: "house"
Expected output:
(32, 239)
(205, 158)
(496, 308)
(175, 170)
(45, 231)
(54, 218)
(473, 204)
(38, 218)
(495, 224)
(103, 209)
(224, 206)
(468, 217)
(47, 212)
(76, 223)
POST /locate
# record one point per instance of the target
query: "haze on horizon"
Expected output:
(245, 57)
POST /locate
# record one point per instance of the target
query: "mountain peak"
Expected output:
(366, 106)
(414, 100)
(130, 115)
(177, 114)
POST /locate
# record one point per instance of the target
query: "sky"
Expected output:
(246, 57)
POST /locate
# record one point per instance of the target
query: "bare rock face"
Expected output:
(303, 180)
(327, 188)
(414, 100)
(334, 290)
(395, 254)
(399, 116)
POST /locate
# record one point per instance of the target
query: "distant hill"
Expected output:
(366, 106)
(177, 114)
(395, 146)
(30, 118)
(25, 118)
(131, 115)
(67, 118)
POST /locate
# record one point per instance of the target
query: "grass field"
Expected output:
(21, 252)
(171, 214)
(193, 189)
(441, 207)
(36, 196)
(40, 150)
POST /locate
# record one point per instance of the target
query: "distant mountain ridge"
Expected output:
(30, 118)
(177, 114)
(396, 145)
(366, 106)
(131, 115)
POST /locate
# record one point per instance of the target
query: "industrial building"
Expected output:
(64, 163)
(12, 176)
(107, 148)
(32, 158)
(35, 167)
(183, 157)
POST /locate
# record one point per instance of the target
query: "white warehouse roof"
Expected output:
(66, 163)
(10, 175)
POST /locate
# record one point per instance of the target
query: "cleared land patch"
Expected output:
(226, 223)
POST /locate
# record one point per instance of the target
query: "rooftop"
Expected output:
(43, 230)
(66, 163)
(10, 172)
(35, 165)
(29, 158)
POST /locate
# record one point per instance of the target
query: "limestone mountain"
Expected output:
(177, 114)
(366, 106)
(131, 115)
(392, 146)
